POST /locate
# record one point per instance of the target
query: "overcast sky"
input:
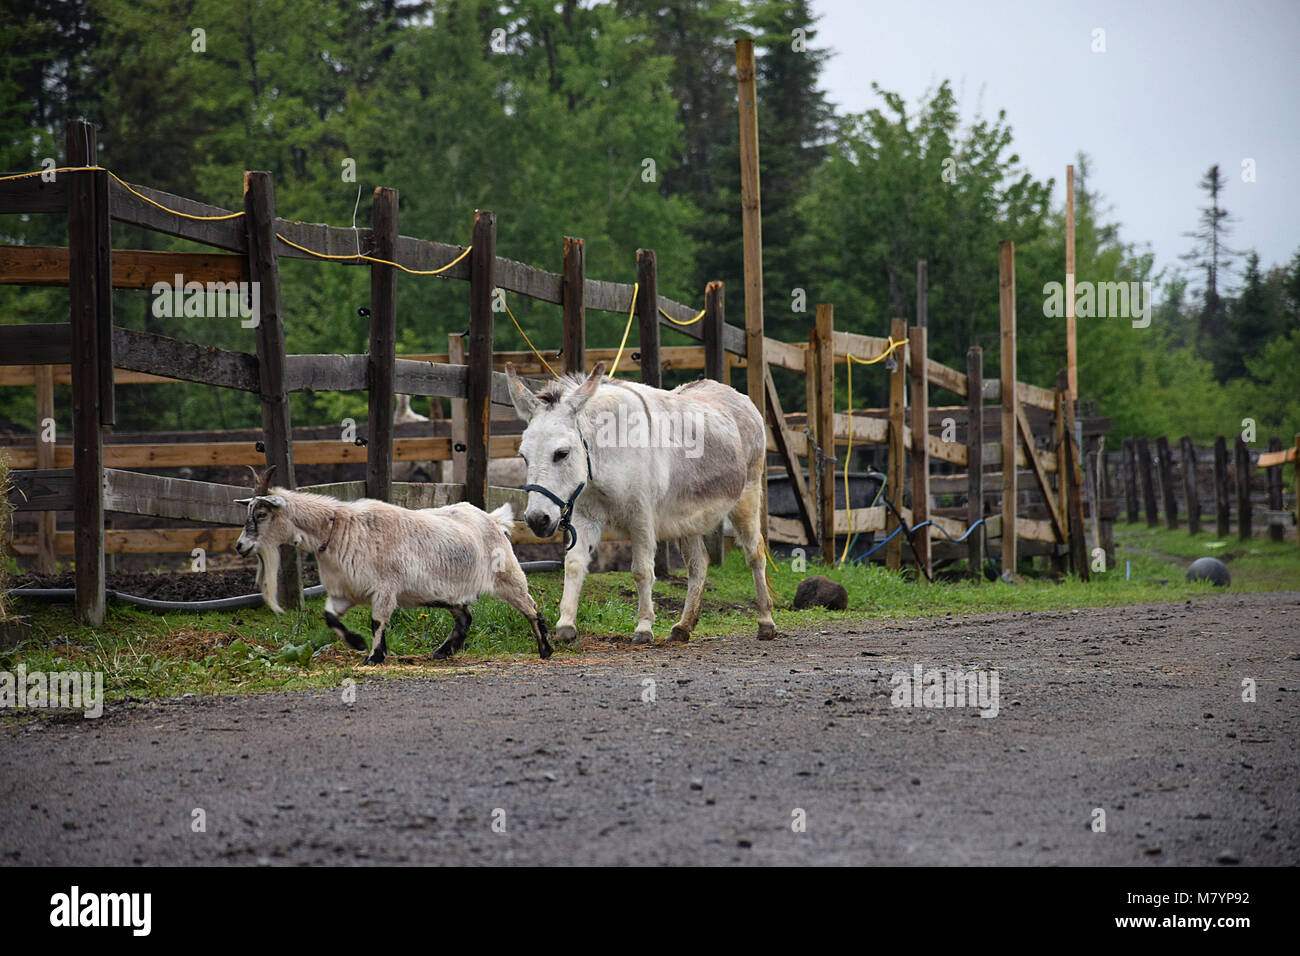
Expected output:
(1182, 84)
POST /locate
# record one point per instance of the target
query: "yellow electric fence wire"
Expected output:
(502, 293)
(631, 313)
(679, 322)
(382, 262)
(127, 187)
(851, 358)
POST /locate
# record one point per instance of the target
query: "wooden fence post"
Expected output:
(1075, 536)
(1243, 489)
(575, 314)
(647, 313)
(752, 238)
(277, 428)
(456, 356)
(478, 383)
(380, 362)
(1167, 483)
(1129, 460)
(90, 282)
(920, 382)
(46, 521)
(975, 460)
(1010, 403)
(897, 451)
(1275, 530)
(1221, 499)
(1148, 485)
(822, 420)
(1106, 492)
(715, 367)
(1190, 491)
(1295, 474)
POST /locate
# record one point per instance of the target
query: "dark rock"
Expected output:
(1211, 569)
(820, 591)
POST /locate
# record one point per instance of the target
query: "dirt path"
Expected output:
(1136, 711)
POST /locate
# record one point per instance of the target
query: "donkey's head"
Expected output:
(265, 529)
(552, 446)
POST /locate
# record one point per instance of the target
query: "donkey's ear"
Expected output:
(578, 397)
(525, 403)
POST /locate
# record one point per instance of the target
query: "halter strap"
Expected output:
(566, 507)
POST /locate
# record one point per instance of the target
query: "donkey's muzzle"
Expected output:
(541, 524)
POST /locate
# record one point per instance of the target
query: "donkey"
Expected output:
(371, 552)
(659, 465)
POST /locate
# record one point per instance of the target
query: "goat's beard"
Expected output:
(268, 576)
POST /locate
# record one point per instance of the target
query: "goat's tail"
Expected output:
(504, 517)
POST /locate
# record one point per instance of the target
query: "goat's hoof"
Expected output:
(642, 637)
(374, 660)
(355, 641)
(680, 634)
(444, 652)
(544, 650)
(566, 634)
(766, 632)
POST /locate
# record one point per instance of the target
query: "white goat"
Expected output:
(371, 552)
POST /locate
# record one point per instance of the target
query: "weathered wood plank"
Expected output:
(131, 492)
(35, 343)
(229, 234)
(176, 360)
(33, 195)
(132, 268)
(40, 489)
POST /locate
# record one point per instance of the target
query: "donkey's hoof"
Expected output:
(642, 637)
(766, 632)
(566, 634)
(680, 634)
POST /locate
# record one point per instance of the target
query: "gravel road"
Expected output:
(786, 752)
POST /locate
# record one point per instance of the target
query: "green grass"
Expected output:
(147, 655)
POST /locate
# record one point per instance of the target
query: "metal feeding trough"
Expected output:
(863, 488)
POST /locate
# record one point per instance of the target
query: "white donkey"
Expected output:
(660, 465)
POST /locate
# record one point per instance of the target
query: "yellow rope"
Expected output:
(631, 313)
(382, 262)
(125, 185)
(523, 333)
(679, 322)
(851, 358)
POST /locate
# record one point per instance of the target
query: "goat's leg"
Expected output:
(380, 613)
(747, 519)
(697, 566)
(512, 587)
(335, 608)
(643, 570)
(576, 563)
(456, 640)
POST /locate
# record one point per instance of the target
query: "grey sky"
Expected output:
(1180, 86)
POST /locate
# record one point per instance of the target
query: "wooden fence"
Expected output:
(1204, 486)
(92, 476)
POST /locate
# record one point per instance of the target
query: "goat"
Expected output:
(371, 552)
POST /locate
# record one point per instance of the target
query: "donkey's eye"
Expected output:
(562, 454)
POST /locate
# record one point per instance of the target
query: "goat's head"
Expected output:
(265, 528)
(552, 446)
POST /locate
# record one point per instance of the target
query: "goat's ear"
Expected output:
(243, 501)
(578, 397)
(525, 403)
(273, 501)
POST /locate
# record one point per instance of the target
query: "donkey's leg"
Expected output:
(575, 573)
(643, 570)
(335, 608)
(456, 640)
(381, 610)
(747, 519)
(512, 587)
(697, 565)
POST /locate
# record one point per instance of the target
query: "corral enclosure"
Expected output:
(1053, 490)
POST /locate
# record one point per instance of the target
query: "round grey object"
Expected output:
(1210, 569)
